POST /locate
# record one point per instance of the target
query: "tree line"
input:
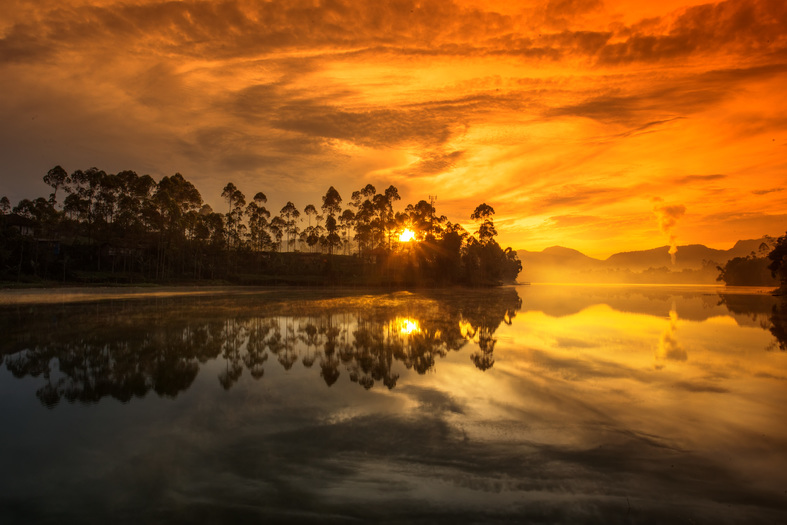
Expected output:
(765, 267)
(123, 226)
(126, 350)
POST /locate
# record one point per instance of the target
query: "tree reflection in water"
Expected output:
(779, 323)
(125, 349)
(770, 316)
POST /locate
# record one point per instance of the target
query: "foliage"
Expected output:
(778, 260)
(747, 271)
(97, 226)
(138, 348)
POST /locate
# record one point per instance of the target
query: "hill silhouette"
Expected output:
(694, 263)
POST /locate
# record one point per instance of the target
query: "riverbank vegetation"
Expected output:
(123, 228)
(765, 267)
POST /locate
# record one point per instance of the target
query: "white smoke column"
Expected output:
(668, 217)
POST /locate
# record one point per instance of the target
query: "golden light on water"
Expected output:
(407, 326)
(467, 330)
(407, 235)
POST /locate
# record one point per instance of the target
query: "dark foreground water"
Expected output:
(533, 404)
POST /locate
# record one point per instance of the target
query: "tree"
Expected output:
(346, 219)
(175, 199)
(236, 200)
(332, 202)
(747, 271)
(483, 211)
(276, 228)
(383, 206)
(486, 231)
(258, 221)
(57, 178)
(40, 210)
(82, 199)
(420, 218)
(331, 205)
(290, 214)
(485, 261)
(133, 202)
(332, 238)
(778, 257)
(310, 212)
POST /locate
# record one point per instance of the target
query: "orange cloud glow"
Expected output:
(569, 117)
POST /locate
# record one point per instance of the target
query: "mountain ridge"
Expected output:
(693, 263)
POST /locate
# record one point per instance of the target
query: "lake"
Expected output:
(540, 404)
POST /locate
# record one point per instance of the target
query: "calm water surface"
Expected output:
(541, 404)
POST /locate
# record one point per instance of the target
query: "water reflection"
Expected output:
(778, 325)
(125, 349)
(631, 405)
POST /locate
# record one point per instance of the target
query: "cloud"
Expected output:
(690, 179)
(371, 128)
(560, 13)
(639, 108)
(432, 163)
(700, 387)
(570, 342)
(579, 196)
(734, 26)
(434, 401)
(246, 28)
(544, 106)
(561, 221)
(243, 28)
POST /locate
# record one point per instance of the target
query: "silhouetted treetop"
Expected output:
(127, 227)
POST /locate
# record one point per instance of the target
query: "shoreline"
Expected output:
(76, 294)
(70, 293)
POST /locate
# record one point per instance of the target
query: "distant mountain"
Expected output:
(560, 255)
(689, 256)
(744, 248)
(694, 263)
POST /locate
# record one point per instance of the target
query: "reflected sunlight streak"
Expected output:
(407, 326)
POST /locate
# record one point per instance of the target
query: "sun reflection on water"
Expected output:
(407, 326)
(467, 330)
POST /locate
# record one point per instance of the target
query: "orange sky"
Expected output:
(577, 120)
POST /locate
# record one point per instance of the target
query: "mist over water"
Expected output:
(540, 403)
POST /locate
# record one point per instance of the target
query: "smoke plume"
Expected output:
(668, 217)
(669, 348)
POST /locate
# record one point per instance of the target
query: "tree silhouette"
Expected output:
(125, 227)
(331, 206)
(258, 216)
(236, 200)
(778, 258)
(57, 178)
(289, 214)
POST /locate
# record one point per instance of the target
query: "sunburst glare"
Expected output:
(407, 235)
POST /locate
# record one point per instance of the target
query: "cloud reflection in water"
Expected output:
(572, 423)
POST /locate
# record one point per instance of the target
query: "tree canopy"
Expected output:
(131, 227)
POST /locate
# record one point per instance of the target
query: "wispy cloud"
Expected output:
(559, 108)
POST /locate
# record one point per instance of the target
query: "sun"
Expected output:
(407, 235)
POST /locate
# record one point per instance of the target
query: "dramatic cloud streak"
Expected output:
(551, 111)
